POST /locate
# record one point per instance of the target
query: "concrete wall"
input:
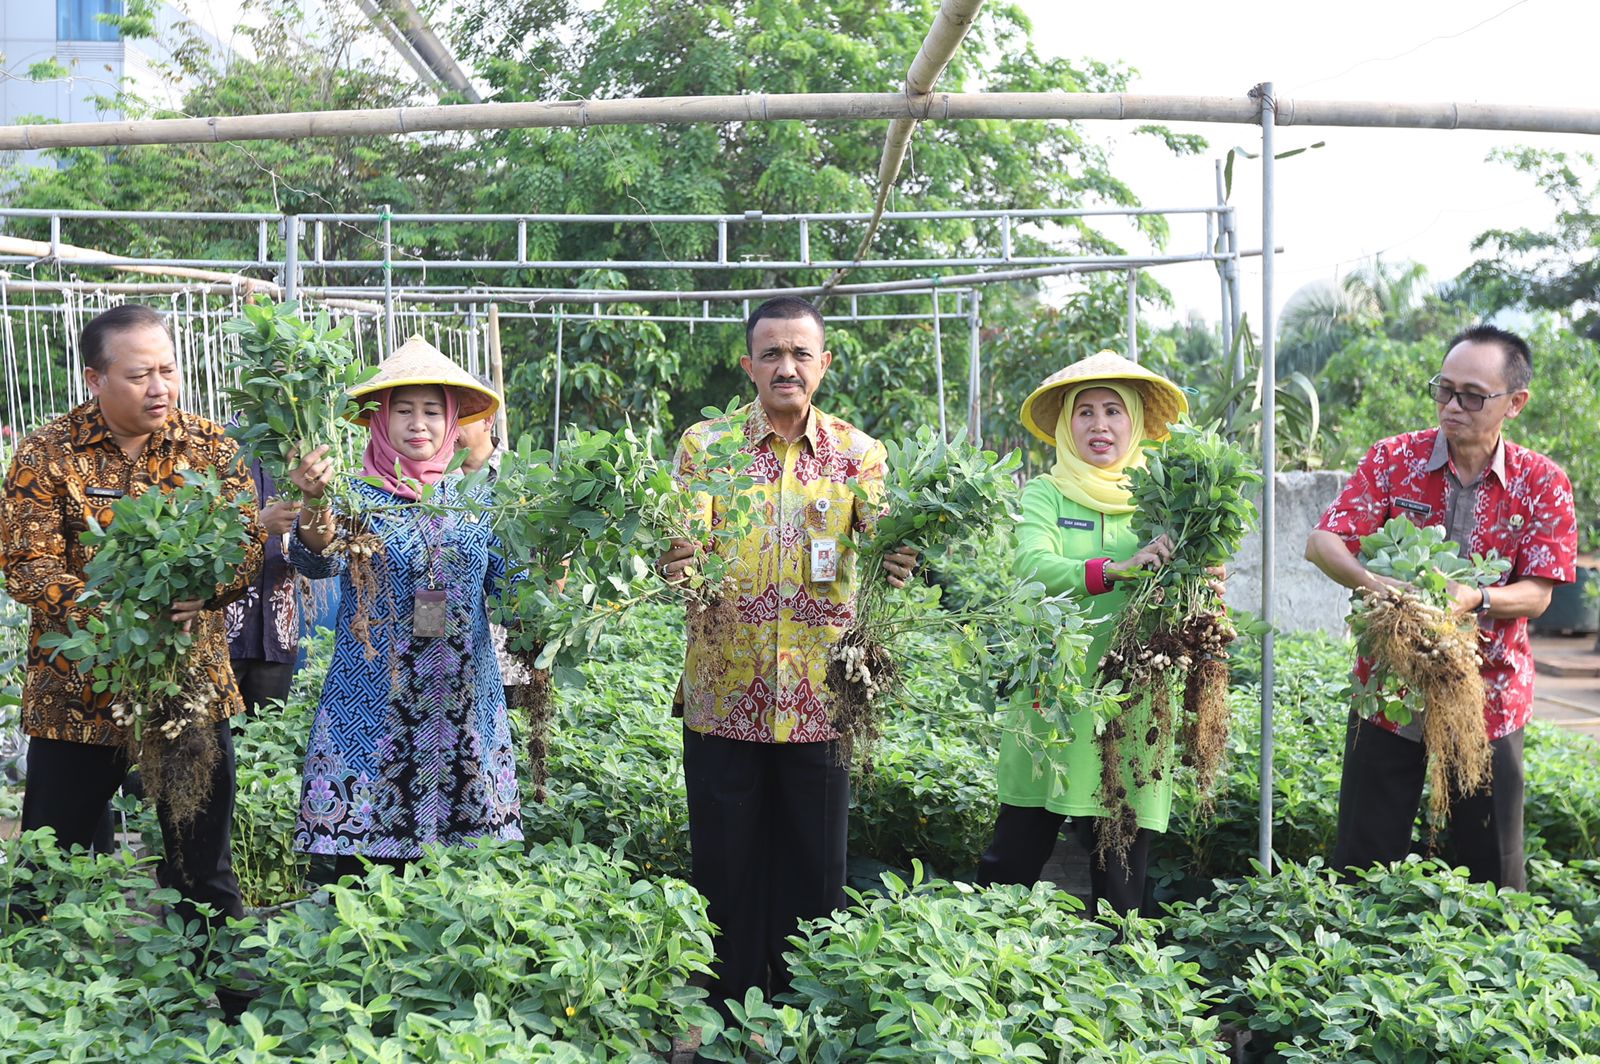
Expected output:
(1303, 599)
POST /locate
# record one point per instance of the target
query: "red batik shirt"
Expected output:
(1526, 515)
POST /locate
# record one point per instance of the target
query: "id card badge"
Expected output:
(427, 615)
(824, 560)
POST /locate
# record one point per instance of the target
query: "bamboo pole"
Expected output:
(949, 29)
(201, 288)
(813, 107)
(73, 255)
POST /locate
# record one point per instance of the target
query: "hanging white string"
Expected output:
(8, 352)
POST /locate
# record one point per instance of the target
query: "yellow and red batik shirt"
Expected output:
(758, 672)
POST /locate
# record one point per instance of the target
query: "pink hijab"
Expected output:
(381, 454)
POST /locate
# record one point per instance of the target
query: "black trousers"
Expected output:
(70, 783)
(262, 681)
(1380, 793)
(1024, 836)
(768, 832)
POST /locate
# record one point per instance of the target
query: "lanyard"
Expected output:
(430, 530)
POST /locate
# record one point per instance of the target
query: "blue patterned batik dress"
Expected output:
(411, 746)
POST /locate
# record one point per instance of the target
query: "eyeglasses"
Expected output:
(1470, 401)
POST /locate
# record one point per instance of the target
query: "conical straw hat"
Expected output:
(418, 362)
(1164, 402)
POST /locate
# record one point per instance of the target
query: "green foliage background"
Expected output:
(563, 49)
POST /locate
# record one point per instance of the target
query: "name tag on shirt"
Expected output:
(1076, 523)
(103, 493)
(824, 560)
(1413, 506)
(428, 614)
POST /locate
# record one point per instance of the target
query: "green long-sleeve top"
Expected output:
(1056, 542)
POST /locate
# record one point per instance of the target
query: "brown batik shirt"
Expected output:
(61, 476)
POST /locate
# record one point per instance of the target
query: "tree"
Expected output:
(566, 49)
(1323, 316)
(561, 49)
(1556, 270)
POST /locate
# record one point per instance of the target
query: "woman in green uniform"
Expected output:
(1075, 537)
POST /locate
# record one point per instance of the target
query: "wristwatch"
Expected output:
(1483, 605)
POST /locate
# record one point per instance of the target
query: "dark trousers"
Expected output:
(259, 681)
(70, 783)
(768, 831)
(1024, 837)
(1381, 791)
(262, 681)
(346, 864)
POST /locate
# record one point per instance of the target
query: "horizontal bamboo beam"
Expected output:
(71, 255)
(815, 107)
(169, 288)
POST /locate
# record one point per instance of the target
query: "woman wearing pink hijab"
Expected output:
(410, 744)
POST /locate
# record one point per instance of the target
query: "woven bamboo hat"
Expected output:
(1164, 402)
(418, 362)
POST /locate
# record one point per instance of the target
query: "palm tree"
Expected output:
(1322, 316)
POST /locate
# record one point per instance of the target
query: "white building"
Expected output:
(96, 58)
(93, 54)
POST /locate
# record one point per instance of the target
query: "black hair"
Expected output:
(1519, 359)
(783, 308)
(97, 335)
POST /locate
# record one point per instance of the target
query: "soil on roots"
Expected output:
(1114, 837)
(861, 674)
(178, 770)
(1206, 720)
(366, 569)
(532, 698)
(1434, 653)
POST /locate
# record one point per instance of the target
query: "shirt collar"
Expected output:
(90, 428)
(1441, 456)
(757, 429)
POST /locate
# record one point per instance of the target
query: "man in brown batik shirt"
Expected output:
(128, 439)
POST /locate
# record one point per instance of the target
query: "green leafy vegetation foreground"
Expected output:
(584, 944)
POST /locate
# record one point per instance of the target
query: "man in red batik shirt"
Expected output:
(1490, 495)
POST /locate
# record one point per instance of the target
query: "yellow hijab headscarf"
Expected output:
(1100, 488)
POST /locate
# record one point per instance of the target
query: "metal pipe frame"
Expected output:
(1218, 241)
(382, 222)
(1269, 452)
(1133, 315)
(964, 296)
(938, 366)
(645, 295)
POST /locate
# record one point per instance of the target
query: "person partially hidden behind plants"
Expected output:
(411, 743)
(481, 440)
(768, 790)
(130, 438)
(1490, 495)
(1075, 537)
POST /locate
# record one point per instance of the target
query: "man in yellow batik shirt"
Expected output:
(768, 796)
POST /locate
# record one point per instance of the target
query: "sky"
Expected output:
(1421, 195)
